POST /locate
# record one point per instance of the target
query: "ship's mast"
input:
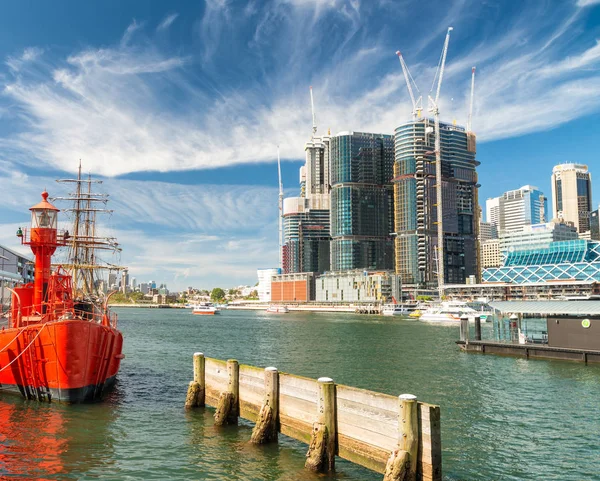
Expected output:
(83, 262)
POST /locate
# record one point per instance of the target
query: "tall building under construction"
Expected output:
(415, 203)
(306, 218)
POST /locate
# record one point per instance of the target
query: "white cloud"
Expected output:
(168, 20)
(587, 3)
(182, 234)
(30, 54)
(111, 106)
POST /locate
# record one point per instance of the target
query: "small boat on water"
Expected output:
(398, 309)
(277, 309)
(61, 342)
(447, 311)
(205, 309)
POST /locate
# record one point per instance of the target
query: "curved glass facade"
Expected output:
(361, 201)
(566, 260)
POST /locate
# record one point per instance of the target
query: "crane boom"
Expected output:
(443, 64)
(434, 107)
(312, 107)
(471, 102)
(416, 103)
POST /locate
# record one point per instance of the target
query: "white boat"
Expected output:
(205, 309)
(398, 309)
(276, 309)
(447, 311)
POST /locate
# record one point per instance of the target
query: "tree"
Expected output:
(217, 294)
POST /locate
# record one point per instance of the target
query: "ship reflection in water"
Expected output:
(51, 441)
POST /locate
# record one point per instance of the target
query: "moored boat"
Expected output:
(277, 309)
(398, 309)
(205, 309)
(59, 345)
(447, 311)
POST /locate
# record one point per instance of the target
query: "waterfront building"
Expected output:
(537, 236)
(415, 203)
(264, 282)
(358, 286)
(361, 201)
(490, 254)
(144, 288)
(296, 287)
(577, 260)
(15, 269)
(572, 194)
(487, 231)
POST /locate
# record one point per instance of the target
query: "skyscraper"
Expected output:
(492, 210)
(572, 194)
(306, 219)
(361, 201)
(415, 203)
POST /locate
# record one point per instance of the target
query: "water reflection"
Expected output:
(51, 441)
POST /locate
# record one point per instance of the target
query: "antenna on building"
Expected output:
(312, 107)
(418, 103)
(280, 210)
(471, 102)
(434, 107)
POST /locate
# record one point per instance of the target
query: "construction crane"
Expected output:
(434, 108)
(471, 102)
(418, 103)
(280, 210)
(312, 108)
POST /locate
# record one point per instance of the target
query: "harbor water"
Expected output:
(502, 418)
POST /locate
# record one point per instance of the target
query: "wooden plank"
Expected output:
(302, 383)
(298, 408)
(369, 418)
(370, 398)
(370, 437)
(294, 428)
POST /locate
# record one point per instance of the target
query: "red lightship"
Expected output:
(61, 342)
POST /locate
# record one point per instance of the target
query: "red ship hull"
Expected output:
(70, 361)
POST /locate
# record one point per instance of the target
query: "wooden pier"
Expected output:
(396, 436)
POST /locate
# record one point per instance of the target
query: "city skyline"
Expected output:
(199, 98)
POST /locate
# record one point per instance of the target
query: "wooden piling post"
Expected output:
(323, 443)
(477, 328)
(200, 377)
(464, 328)
(267, 425)
(402, 463)
(191, 399)
(228, 409)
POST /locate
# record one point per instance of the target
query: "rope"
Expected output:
(24, 350)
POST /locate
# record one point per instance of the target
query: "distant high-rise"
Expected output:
(595, 225)
(362, 213)
(520, 207)
(492, 211)
(487, 231)
(415, 203)
(572, 194)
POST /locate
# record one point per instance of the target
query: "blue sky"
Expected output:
(180, 106)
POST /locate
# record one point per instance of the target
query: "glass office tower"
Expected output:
(416, 209)
(361, 201)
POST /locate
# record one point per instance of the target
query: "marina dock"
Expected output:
(386, 434)
(571, 333)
